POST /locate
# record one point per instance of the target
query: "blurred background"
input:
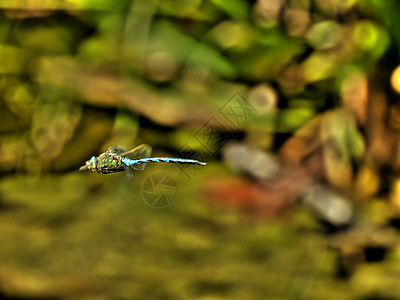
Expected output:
(292, 103)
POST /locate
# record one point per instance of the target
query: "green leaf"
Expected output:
(237, 9)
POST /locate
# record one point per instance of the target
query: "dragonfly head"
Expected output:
(90, 165)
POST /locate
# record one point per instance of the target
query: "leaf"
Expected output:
(237, 9)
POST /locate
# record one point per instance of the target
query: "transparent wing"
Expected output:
(138, 167)
(142, 151)
(128, 173)
(118, 149)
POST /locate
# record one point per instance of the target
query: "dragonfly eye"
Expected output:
(91, 163)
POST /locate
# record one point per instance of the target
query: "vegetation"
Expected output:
(293, 104)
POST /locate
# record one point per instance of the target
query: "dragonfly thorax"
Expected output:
(109, 162)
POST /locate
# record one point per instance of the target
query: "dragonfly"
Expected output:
(118, 159)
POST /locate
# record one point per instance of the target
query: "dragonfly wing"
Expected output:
(128, 173)
(138, 167)
(142, 151)
(117, 149)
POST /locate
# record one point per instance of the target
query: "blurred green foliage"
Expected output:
(58, 58)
